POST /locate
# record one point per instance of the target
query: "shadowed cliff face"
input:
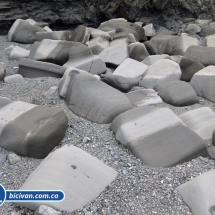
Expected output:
(67, 14)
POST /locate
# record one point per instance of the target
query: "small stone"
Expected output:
(3, 158)
(86, 140)
(13, 158)
(88, 213)
(45, 210)
(74, 167)
(94, 209)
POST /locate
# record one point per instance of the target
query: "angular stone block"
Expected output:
(162, 69)
(78, 174)
(115, 55)
(33, 69)
(149, 30)
(130, 68)
(36, 129)
(16, 52)
(119, 82)
(23, 32)
(99, 33)
(98, 44)
(201, 121)
(189, 68)
(137, 51)
(203, 83)
(193, 27)
(157, 136)
(153, 59)
(199, 194)
(81, 34)
(144, 97)
(53, 35)
(94, 100)
(177, 93)
(111, 24)
(210, 41)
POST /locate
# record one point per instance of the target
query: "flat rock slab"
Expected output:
(162, 69)
(199, 194)
(203, 83)
(27, 123)
(23, 32)
(144, 97)
(67, 54)
(130, 68)
(137, 51)
(157, 136)
(33, 69)
(201, 54)
(119, 82)
(115, 55)
(177, 93)
(93, 99)
(189, 68)
(201, 121)
(78, 174)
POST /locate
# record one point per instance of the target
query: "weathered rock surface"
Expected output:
(162, 69)
(28, 122)
(201, 121)
(157, 136)
(203, 83)
(81, 176)
(33, 69)
(137, 51)
(177, 93)
(199, 193)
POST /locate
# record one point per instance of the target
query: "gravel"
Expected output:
(138, 189)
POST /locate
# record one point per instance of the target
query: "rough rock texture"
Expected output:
(157, 136)
(70, 13)
(199, 194)
(81, 176)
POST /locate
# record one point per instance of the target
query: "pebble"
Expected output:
(13, 158)
(3, 158)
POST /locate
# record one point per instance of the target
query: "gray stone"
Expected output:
(47, 29)
(81, 34)
(4, 101)
(130, 68)
(27, 122)
(210, 41)
(119, 82)
(53, 35)
(13, 158)
(49, 93)
(193, 27)
(115, 55)
(3, 158)
(177, 93)
(189, 68)
(99, 33)
(33, 69)
(94, 100)
(206, 31)
(111, 24)
(211, 152)
(2, 71)
(137, 51)
(162, 69)
(16, 52)
(80, 185)
(144, 97)
(203, 83)
(203, 22)
(150, 60)
(98, 44)
(160, 4)
(45, 210)
(14, 78)
(23, 32)
(157, 136)
(201, 121)
(149, 30)
(203, 55)
(199, 193)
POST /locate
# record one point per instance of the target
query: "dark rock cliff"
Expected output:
(67, 14)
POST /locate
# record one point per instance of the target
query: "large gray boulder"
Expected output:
(98, 44)
(81, 176)
(189, 68)
(201, 54)
(137, 51)
(157, 136)
(201, 121)
(203, 83)
(94, 100)
(111, 24)
(130, 68)
(67, 54)
(27, 122)
(116, 54)
(23, 32)
(99, 33)
(199, 194)
(119, 82)
(53, 35)
(81, 34)
(33, 69)
(151, 59)
(177, 93)
(162, 69)
(206, 31)
(144, 97)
